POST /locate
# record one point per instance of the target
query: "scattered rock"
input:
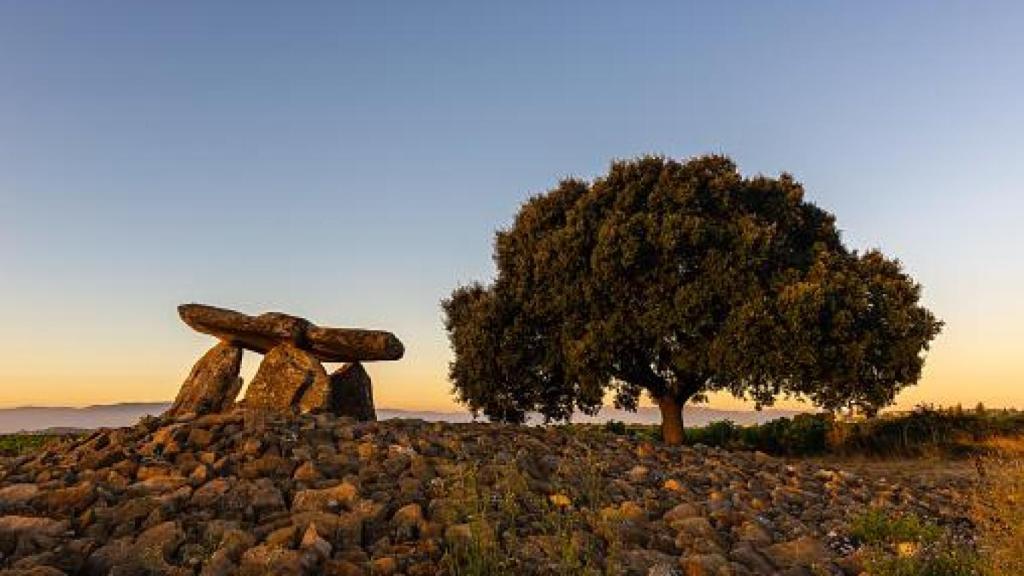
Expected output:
(312, 541)
(17, 494)
(803, 552)
(704, 565)
(319, 494)
(16, 530)
(408, 520)
(264, 559)
(72, 499)
(332, 498)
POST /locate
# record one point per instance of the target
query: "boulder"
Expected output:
(343, 494)
(352, 393)
(14, 528)
(267, 331)
(71, 498)
(154, 547)
(17, 494)
(804, 551)
(287, 379)
(213, 384)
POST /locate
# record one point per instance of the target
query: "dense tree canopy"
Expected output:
(679, 279)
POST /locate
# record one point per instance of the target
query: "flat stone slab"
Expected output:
(267, 331)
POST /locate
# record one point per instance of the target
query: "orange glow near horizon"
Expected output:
(959, 369)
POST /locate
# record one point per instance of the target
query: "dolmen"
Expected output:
(291, 377)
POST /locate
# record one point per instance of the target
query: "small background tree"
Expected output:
(679, 279)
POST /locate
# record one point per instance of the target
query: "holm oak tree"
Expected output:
(680, 279)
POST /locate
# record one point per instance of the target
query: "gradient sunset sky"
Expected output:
(350, 163)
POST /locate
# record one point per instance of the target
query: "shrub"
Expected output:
(615, 427)
(721, 433)
(905, 545)
(877, 527)
(19, 444)
(925, 430)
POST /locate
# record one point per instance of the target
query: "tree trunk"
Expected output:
(671, 420)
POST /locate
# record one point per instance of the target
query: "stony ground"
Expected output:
(326, 495)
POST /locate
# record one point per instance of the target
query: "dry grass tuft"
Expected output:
(999, 511)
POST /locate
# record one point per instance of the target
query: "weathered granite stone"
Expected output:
(213, 384)
(288, 379)
(267, 331)
(353, 345)
(352, 393)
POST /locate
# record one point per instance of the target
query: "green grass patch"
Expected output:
(21, 444)
(924, 431)
(906, 545)
(875, 527)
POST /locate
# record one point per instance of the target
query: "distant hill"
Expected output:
(33, 418)
(36, 418)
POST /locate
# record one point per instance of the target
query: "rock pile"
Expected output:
(318, 494)
(291, 377)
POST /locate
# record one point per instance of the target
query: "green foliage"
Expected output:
(804, 434)
(19, 444)
(615, 427)
(905, 545)
(679, 279)
(925, 430)
(877, 527)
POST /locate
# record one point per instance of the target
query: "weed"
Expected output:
(21, 444)
(479, 556)
(876, 527)
(905, 545)
(922, 431)
(1000, 514)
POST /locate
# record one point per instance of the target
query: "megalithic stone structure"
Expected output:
(290, 377)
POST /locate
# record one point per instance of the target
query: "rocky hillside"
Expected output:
(318, 494)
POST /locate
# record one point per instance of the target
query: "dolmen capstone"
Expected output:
(291, 377)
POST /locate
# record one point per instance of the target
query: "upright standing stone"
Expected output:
(213, 384)
(286, 376)
(352, 393)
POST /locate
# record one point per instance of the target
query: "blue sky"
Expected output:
(351, 162)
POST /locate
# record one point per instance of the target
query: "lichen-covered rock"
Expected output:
(212, 385)
(332, 498)
(26, 533)
(70, 499)
(267, 331)
(351, 393)
(288, 379)
(800, 552)
(16, 495)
